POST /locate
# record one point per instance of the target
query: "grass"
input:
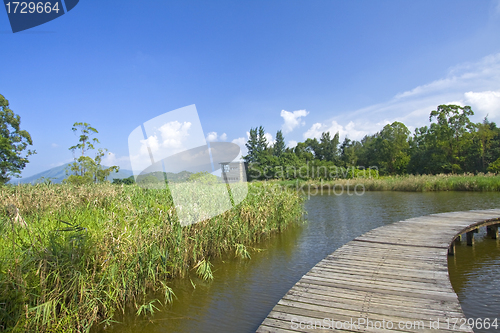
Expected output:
(71, 257)
(410, 183)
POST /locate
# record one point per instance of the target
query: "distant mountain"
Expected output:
(57, 175)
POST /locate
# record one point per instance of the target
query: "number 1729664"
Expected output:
(474, 323)
(32, 7)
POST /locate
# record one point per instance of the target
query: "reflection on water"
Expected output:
(244, 291)
(475, 276)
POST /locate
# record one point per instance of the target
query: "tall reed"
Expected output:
(73, 256)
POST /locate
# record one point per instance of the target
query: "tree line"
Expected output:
(451, 143)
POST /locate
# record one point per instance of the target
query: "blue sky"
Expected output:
(301, 66)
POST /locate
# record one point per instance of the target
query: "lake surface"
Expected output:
(243, 292)
(475, 276)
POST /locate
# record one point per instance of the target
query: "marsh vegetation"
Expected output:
(73, 256)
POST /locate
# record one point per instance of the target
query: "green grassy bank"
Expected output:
(71, 257)
(410, 183)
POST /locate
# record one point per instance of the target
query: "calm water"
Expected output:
(243, 292)
(475, 276)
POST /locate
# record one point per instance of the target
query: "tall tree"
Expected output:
(252, 146)
(303, 151)
(256, 144)
(314, 147)
(279, 145)
(484, 137)
(452, 132)
(392, 148)
(367, 152)
(13, 143)
(420, 151)
(85, 143)
(86, 169)
(262, 140)
(349, 152)
(329, 146)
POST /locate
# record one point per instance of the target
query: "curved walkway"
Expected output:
(390, 279)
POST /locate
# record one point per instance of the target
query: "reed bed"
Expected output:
(71, 257)
(418, 183)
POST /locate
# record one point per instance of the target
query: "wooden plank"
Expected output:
(382, 281)
(369, 299)
(451, 306)
(377, 287)
(398, 272)
(380, 274)
(383, 308)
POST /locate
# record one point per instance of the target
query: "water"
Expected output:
(243, 292)
(474, 274)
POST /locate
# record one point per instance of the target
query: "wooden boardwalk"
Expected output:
(396, 274)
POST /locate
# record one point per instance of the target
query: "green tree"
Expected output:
(449, 145)
(420, 151)
(256, 144)
(349, 152)
(485, 149)
(252, 146)
(304, 151)
(313, 145)
(262, 141)
(494, 166)
(329, 146)
(260, 158)
(125, 181)
(86, 169)
(367, 152)
(392, 148)
(13, 143)
(452, 132)
(279, 145)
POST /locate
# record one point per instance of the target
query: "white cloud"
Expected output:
(241, 142)
(269, 138)
(174, 133)
(171, 138)
(351, 130)
(352, 133)
(314, 132)
(162, 141)
(292, 119)
(111, 159)
(152, 143)
(54, 145)
(213, 137)
(484, 103)
(292, 144)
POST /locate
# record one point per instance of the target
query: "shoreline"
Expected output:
(408, 183)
